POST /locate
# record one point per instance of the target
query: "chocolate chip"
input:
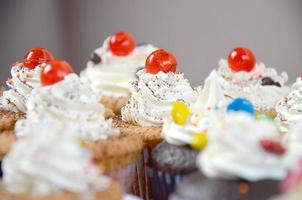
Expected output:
(269, 81)
(95, 58)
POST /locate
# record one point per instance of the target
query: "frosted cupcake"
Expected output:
(50, 163)
(157, 88)
(25, 77)
(289, 110)
(64, 97)
(113, 67)
(185, 134)
(244, 158)
(242, 76)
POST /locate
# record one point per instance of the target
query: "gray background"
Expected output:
(198, 32)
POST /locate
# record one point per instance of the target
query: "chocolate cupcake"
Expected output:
(25, 77)
(112, 68)
(157, 88)
(185, 134)
(244, 158)
(198, 187)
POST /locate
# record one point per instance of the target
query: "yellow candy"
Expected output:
(180, 112)
(199, 141)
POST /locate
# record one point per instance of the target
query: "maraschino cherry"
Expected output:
(55, 71)
(241, 59)
(121, 44)
(37, 56)
(161, 60)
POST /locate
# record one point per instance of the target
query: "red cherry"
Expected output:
(37, 56)
(241, 59)
(55, 71)
(272, 146)
(121, 44)
(161, 60)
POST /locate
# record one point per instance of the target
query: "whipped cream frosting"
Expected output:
(21, 84)
(289, 109)
(112, 75)
(153, 96)
(251, 85)
(48, 162)
(210, 100)
(180, 135)
(234, 149)
(211, 97)
(293, 138)
(73, 101)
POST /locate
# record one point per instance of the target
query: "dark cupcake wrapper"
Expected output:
(162, 183)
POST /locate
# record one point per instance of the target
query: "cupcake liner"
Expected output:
(126, 177)
(162, 183)
(1, 173)
(132, 178)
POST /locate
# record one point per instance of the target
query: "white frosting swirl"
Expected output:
(290, 108)
(249, 85)
(211, 97)
(113, 75)
(21, 84)
(182, 134)
(209, 101)
(153, 96)
(293, 138)
(49, 161)
(73, 101)
(234, 149)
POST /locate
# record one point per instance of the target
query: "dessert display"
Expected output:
(242, 76)
(25, 77)
(132, 127)
(112, 68)
(244, 158)
(51, 163)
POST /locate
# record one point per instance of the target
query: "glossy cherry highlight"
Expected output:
(55, 71)
(161, 60)
(121, 44)
(37, 56)
(241, 59)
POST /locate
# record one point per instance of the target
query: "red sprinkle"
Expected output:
(272, 146)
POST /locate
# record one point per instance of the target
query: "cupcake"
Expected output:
(244, 158)
(288, 109)
(25, 77)
(157, 88)
(113, 67)
(185, 134)
(50, 163)
(242, 76)
(64, 97)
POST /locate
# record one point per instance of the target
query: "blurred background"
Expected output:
(198, 32)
